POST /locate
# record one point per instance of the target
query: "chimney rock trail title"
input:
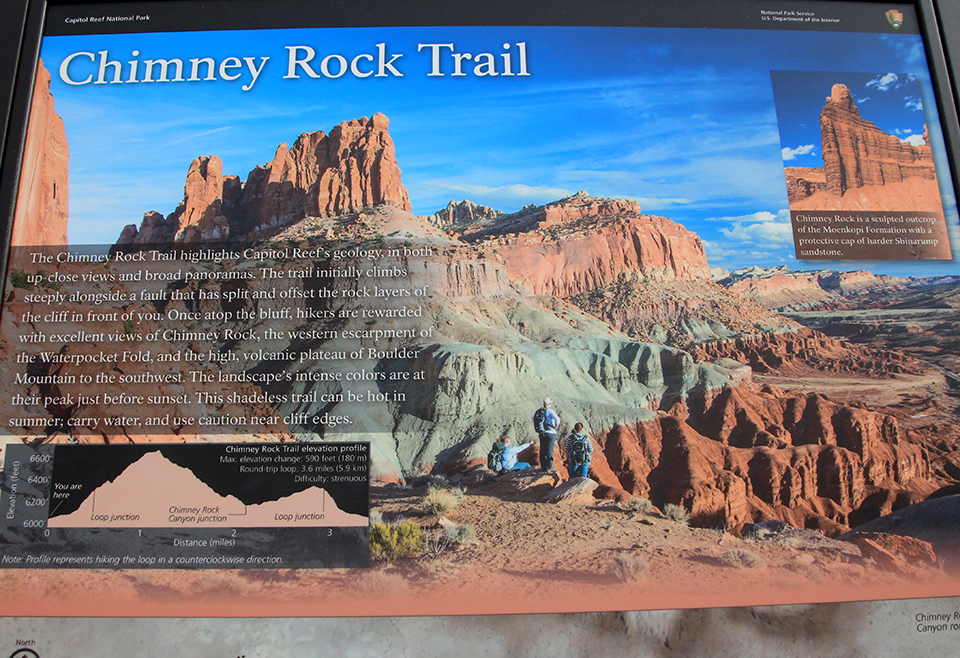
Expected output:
(83, 68)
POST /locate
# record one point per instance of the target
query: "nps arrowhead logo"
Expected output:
(895, 18)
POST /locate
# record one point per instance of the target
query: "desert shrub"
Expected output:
(741, 558)
(376, 516)
(642, 505)
(676, 513)
(461, 535)
(390, 541)
(627, 567)
(441, 500)
(426, 480)
(763, 530)
(45, 282)
(451, 537)
(18, 279)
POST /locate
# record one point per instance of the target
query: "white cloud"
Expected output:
(916, 140)
(790, 154)
(659, 203)
(764, 239)
(913, 103)
(763, 229)
(884, 82)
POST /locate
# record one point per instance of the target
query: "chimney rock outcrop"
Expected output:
(321, 175)
(857, 153)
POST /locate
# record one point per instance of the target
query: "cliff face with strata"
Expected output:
(321, 175)
(857, 153)
(644, 275)
(745, 455)
(581, 243)
(864, 168)
(41, 213)
(782, 289)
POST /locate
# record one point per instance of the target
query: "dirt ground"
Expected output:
(526, 557)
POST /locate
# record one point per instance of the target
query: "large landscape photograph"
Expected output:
(416, 237)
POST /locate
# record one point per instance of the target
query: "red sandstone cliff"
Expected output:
(41, 214)
(857, 153)
(580, 243)
(325, 175)
(864, 168)
(646, 276)
(322, 175)
(746, 455)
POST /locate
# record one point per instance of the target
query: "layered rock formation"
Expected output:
(804, 349)
(745, 454)
(782, 289)
(581, 243)
(208, 197)
(40, 217)
(858, 159)
(646, 276)
(679, 313)
(857, 153)
(321, 175)
(353, 167)
(464, 212)
(804, 181)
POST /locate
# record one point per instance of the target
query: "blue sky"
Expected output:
(682, 120)
(892, 101)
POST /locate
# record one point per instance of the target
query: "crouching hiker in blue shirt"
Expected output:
(510, 462)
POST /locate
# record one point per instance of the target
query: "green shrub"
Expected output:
(390, 541)
(45, 281)
(676, 513)
(18, 279)
(424, 480)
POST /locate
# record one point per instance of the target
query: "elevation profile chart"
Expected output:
(243, 505)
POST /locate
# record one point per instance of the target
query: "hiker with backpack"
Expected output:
(578, 448)
(545, 422)
(503, 457)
